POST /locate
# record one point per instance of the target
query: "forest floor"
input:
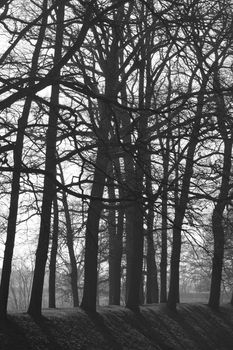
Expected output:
(192, 327)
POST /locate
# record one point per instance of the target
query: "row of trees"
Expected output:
(125, 106)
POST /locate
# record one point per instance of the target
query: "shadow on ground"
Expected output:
(192, 327)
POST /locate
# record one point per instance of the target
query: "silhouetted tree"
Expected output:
(49, 189)
(15, 187)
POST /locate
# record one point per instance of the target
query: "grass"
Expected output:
(192, 327)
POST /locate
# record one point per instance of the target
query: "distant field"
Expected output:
(201, 298)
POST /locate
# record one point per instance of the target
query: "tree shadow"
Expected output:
(139, 322)
(46, 328)
(101, 326)
(12, 336)
(197, 323)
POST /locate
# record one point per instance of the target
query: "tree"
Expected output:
(99, 176)
(15, 187)
(135, 109)
(152, 288)
(49, 189)
(70, 245)
(206, 64)
(222, 200)
(115, 231)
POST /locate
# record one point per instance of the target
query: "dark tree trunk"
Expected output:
(142, 289)
(115, 263)
(53, 256)
(134, 236)
(133, 228)
(152, 288)
(135, 255)
(70, 245)
(135, 217)
(115, 228)
(173, 295)
(163, 262)
(15, 187)
(217, 217)
(101, 164)
(92, 225)
(129, 211)
(217, 263)
(49, 190)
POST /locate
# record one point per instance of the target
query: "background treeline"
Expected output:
(116, 151)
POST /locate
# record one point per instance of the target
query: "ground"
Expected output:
(192, 327)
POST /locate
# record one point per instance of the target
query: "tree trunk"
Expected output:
(217, 263)
(92, 225)
(115, 228)
(111, 70)
(217, 217)
(135, 255)
(49, 190)
(135, 218)
(15, 187)
(70, 245)
(152, 288)
(129, 211)
(163, 262)
(173, 296)
(53, 256)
